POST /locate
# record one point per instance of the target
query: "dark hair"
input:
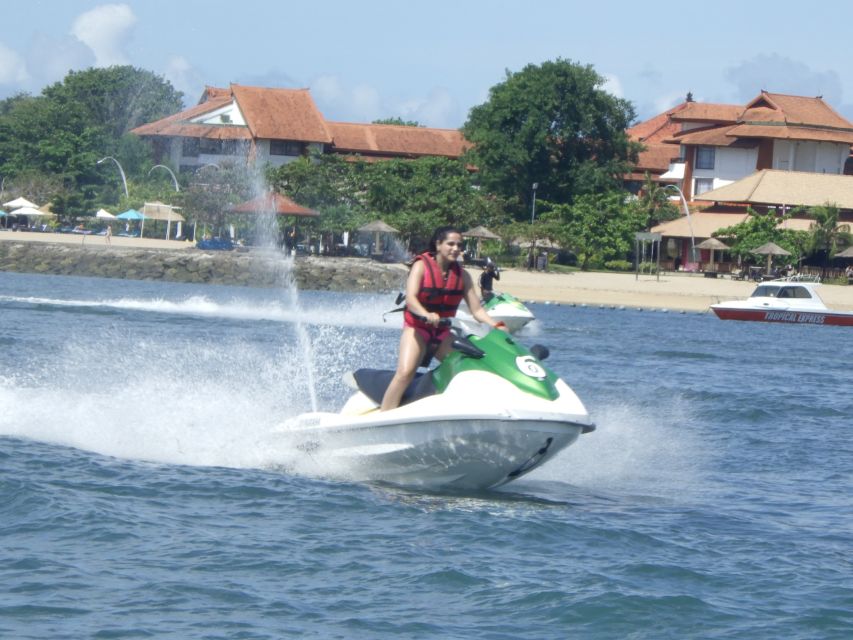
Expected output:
(440, 235)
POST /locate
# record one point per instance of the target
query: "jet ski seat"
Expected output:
(374, 382)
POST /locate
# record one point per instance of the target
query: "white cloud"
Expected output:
(185, 78)
(364, 103)
(105, 29)
(612, 85)
(339, 102)
(778, 74)
(438, 109)
(13, 70)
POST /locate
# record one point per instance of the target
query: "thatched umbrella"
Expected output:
(847, 253)
(714, 245)
(770, 249)
(479, 233)
(377, 227)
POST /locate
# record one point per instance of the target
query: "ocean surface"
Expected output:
(140, 497)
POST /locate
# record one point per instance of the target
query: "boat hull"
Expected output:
(789, 316)
(451, 453)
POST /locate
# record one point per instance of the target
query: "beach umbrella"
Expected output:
(272, 202)
(479, 233)
(20, 202)
(714, 245)
(133, 214)
(377, 227)
(847, 253)
(31, 212)
(103, 213)
(770, 249)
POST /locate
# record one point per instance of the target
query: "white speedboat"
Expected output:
(783, 301)
(488, 414)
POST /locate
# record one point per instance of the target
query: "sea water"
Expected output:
(139, 496)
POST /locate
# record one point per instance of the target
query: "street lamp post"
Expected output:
(532, 259)
(120, 170)
(533, 208)
(689, 221)
(174, 179)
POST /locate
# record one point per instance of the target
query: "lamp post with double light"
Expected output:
(689, 222)
(174, 179)
(120, 170)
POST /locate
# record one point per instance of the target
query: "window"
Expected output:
(189, 147)
(701, 185)
(705, 157)
(286, 148)
(211, 147)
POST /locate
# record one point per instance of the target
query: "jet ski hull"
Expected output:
(452, 453)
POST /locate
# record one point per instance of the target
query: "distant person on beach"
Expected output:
(109, 234)
(436, 285)
(489, 275)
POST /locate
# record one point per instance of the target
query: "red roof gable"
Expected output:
(281, 114)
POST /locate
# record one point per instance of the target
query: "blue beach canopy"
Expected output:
(131, 214)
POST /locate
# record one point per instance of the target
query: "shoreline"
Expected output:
(673, 291)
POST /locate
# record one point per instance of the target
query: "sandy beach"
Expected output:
(674, 291)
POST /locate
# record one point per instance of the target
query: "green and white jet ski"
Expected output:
(502, 307)
(488, 414)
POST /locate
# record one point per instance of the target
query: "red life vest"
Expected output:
(436, 295)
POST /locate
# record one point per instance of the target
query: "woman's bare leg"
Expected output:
(412, 349)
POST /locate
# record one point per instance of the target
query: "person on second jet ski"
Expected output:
(436, 285)
(489, 275)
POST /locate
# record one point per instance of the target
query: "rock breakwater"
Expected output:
(251, 268)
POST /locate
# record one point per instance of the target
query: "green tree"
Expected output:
(551, 124)
(75, 122)
(598, 227)
(758, 229)
(213, 190)
(398, 121)
(826, 236)
(654, 202)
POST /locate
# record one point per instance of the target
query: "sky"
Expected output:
(433, 61)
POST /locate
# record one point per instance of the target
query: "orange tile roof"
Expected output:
(707, 112)
(179, 124)
(719, 136)
(397, 140)
(786, 132)
(281, 114)
(778, 107)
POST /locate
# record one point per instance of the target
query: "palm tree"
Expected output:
(826, 235)
(655, 202)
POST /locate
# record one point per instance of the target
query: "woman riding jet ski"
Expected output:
(488, 414)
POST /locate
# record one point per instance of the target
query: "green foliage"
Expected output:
(213, 191)
(413, 196)
(655, 204)
(551, 124)
(760, 228)
(73, 123)
(598, 228)
(398, 121)
(826, 236)
(620, 265)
